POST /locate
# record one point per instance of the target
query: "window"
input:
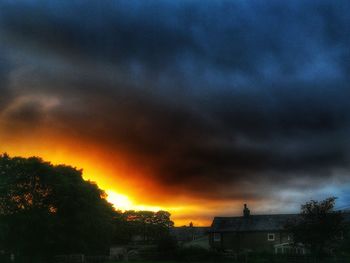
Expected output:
(217, 237)
(271, 237)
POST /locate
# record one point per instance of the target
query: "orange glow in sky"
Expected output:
(175, 114)
(126, 189)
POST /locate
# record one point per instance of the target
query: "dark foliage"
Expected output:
(344, 247)
(150, 225)
(47, 210)
(318, 227)
(167, 247)
(142, 226)
(197, 254)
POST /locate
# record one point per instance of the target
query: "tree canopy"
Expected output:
(319, 227)
(50, 209)
(148, 225)
(47, 209)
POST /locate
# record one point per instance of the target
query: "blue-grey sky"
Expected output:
(220, 100)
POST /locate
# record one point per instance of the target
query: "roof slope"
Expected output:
(256, 222)
(251, 223)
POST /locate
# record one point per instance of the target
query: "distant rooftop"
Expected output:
(247, 222)
(252, 223)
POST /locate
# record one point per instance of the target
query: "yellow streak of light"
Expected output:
(119, 192)
(119, 201)
(123, 202)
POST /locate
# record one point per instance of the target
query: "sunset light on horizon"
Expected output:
(192, 107)
(121, 198)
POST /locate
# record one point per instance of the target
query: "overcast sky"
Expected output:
(216, 100)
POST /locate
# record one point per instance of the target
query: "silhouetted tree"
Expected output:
(50, 209)
(318, 227)
(47, 210)
(149, 225)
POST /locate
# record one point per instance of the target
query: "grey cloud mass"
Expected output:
(211, 96)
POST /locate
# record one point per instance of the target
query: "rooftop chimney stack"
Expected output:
(246, 211)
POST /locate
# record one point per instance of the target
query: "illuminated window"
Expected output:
(217, 237)
(271, 237)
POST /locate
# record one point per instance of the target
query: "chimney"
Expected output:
(246, 211)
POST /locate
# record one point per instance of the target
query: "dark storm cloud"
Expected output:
(5, 69)
(209, 96)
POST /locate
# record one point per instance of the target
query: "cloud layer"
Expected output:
(218, 100)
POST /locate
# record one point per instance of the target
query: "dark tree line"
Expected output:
(143, 226)
(319, 227)
(47, 210)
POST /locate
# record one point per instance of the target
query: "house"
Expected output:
(252, 233)
(256, 233)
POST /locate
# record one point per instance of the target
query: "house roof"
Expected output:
(256, 222)
(251, 223)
